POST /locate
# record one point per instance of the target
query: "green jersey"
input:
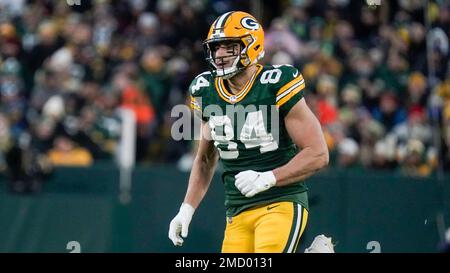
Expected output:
(248, 129)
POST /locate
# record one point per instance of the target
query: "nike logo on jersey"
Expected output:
(269, 208)
(295, 74)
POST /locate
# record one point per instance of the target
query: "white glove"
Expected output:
(250, 183)
(321, 244)
(180, 223)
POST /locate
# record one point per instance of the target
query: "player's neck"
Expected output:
(238, 82)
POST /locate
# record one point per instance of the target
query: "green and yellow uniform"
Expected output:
(246, 137)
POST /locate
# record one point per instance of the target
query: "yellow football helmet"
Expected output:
(235, 26)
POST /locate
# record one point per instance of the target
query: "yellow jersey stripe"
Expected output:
(290, 95)
(219, 90)
(290, 84)
(226, 95)
(246, 87)
(250, 83)
(290, 89)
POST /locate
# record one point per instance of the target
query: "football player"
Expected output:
(266, 157)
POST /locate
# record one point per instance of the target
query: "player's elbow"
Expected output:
(326, 159)
(323, 159)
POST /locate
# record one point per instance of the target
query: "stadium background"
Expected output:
(378, 79)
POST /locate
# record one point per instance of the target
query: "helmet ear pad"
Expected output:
(245, 42)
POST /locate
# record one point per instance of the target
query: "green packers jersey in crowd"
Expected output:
(248, 129)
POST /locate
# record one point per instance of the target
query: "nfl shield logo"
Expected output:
(233, 99)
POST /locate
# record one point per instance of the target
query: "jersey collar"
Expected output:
(228, 96)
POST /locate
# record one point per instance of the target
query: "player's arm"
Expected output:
(203, 168)
(205, 163)
(305, 131)
(314, 151)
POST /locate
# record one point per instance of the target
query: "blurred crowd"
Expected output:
(378, 78)
(381, 94)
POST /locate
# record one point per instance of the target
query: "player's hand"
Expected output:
(180, 223)
(250, 183)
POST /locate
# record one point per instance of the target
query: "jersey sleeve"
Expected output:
(197, 91)
(290, 90)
